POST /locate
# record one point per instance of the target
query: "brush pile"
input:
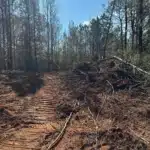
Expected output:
(112, 72)
(113, 90)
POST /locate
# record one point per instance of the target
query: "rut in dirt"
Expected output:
(37, 113)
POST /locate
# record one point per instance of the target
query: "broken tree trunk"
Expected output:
(133, 66)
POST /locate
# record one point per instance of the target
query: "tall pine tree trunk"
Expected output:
(126, 25)
(9, 36)
(108, 30)
(132, 24)
(140, 26)
(48, 38)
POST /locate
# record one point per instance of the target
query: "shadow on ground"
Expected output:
(25, 83)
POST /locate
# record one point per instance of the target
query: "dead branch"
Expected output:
(60, 136)
(127, 63)
(138, 136)
(96, 120)
(133, 66)
(110, 85)
(83, 73)
(96, 125)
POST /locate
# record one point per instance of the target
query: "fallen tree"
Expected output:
(133, 66)
(114, 71)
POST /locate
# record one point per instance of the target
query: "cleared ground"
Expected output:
(32, 121)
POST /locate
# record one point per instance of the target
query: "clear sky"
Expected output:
(78, 10)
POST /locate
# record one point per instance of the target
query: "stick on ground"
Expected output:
(60, 136)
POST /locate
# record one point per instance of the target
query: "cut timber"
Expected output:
(133, 66)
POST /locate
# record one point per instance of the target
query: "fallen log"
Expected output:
(127, 63)
(133, 66)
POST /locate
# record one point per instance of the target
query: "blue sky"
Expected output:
(78, 10)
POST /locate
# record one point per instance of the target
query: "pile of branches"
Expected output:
(111, 89)
(113, 73)
(107, 86)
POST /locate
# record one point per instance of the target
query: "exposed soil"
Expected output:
(101, 121)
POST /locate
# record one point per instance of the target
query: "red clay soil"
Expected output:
(36, 112)
(31, 122)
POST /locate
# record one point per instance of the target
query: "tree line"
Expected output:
(122, 29)
(31, 37)
(28, 34)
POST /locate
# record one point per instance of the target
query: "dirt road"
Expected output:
(38, 111)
